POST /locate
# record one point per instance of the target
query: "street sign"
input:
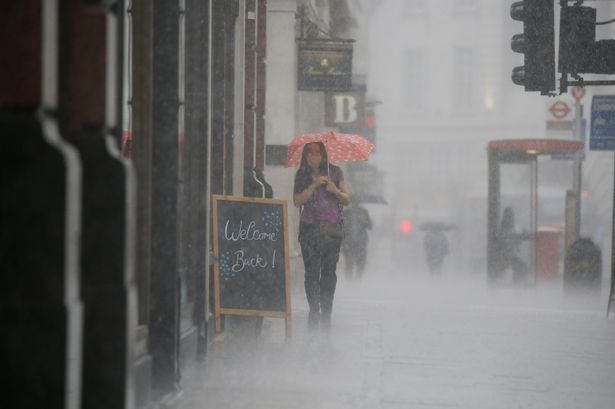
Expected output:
(578, 93)
(579, 135)
(560, 115)
(602, 131)
(554, 128)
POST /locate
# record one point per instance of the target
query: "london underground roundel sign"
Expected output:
(559, 109)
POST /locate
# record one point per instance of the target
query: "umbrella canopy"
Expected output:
(340, 147)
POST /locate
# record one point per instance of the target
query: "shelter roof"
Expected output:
(535, 146)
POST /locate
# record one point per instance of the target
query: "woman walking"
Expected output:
(320, 192)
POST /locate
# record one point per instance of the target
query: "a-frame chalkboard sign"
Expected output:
(252, 273)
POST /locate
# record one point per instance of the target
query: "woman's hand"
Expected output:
(299, 199)
(331, 188)
(321, 180)
(342, 193)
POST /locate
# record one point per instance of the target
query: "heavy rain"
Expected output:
(324, 204)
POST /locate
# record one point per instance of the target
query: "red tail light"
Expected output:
(406, 226)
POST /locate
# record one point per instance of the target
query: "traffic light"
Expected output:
(579, 52)
(536, 44)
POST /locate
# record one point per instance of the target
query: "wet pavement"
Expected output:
(401, 341)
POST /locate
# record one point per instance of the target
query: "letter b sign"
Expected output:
(344, 108)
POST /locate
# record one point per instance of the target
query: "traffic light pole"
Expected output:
(564, 83)
(578, 167)
(612, 290)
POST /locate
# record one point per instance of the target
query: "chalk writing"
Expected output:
(250, 233)
(241, 261)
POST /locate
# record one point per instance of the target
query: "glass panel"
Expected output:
(516, 215)
(515, 192)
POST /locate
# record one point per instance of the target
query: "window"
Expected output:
(414, 9)
(464, 81)
(413, 78)
(464, 7)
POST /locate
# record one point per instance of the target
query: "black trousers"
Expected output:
(320, 256)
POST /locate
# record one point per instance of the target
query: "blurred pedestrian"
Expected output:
(320, 192)
(509, 241)
(435, 245)
(354, 247)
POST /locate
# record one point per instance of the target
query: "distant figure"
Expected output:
(436, 248)
(583, 266)
(508, 247)
(354, 247)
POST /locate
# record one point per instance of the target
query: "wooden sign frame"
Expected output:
(218, 310)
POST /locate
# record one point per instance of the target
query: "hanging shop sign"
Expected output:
(324, 65)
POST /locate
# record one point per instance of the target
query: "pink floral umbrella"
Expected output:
(341, 147)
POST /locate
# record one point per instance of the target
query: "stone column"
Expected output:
(164, 297)
(40, 218)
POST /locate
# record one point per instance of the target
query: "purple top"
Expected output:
(323, 206)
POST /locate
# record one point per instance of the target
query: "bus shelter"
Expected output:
(515, 242)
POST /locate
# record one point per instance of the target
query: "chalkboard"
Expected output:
(252, 275)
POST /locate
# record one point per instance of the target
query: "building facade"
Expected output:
(442, 71)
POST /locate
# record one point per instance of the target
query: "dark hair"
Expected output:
(303, 177)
